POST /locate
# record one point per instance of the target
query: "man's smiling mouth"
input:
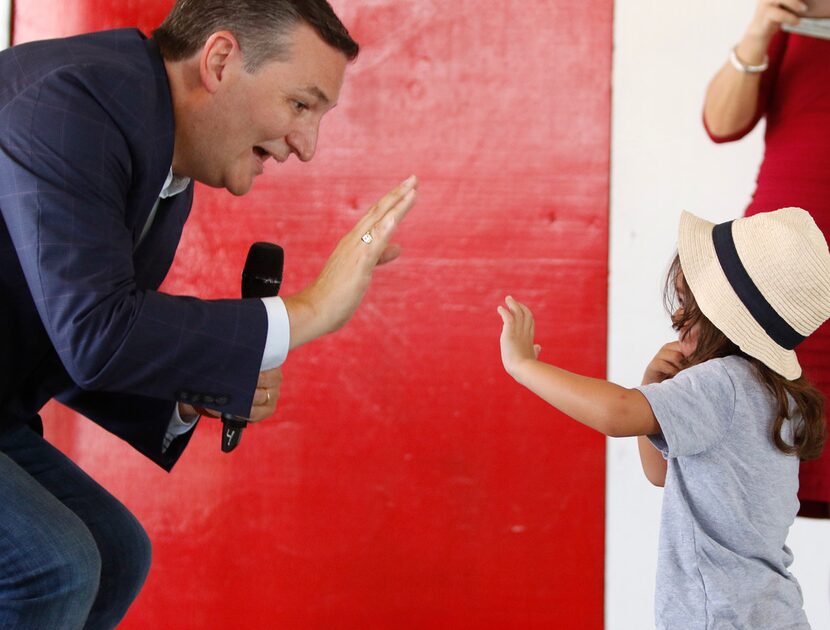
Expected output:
(261, 153)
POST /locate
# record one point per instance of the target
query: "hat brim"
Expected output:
(719, 302)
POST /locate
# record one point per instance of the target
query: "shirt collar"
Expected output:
(173, 185)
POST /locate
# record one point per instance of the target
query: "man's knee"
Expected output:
(75, 569)
(140, 557)
(126, 552)
(56, 583)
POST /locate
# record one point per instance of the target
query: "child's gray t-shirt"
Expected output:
(729, 501)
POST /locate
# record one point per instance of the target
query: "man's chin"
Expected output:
(240, 188)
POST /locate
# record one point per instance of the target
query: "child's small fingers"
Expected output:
(667, 367)
(530, 324)
(514, 307)
(526, 313)
(506, 317)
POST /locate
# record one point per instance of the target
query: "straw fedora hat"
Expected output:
(763, 281)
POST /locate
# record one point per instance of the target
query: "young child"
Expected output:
(724, 414)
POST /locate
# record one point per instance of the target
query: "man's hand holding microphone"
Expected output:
(331, 299)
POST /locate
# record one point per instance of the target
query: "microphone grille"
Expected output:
(265, 260)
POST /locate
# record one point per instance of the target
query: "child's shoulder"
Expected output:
(733, 364)
(737, 369)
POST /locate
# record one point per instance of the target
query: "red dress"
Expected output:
(795, 99)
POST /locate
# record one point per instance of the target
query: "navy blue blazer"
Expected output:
(86, 143)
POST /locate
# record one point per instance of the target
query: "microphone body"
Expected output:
(261, 277)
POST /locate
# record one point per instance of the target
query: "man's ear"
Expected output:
(220, 56)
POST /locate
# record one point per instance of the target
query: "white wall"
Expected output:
(5, 22)
(665, 54)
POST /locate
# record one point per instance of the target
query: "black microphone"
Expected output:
(261, 278)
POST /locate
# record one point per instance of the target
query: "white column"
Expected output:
(662, 163)
(5, 22)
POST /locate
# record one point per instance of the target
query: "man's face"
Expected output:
(271, 113)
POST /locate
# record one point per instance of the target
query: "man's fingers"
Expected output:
(270, 378)
(397, 202)
(389, 254)
(382, 228)
(268, 388)
(392, 198)
(261, 397)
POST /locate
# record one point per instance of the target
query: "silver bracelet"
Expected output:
(740, 66)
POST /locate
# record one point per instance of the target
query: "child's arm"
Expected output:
(606, 407)
(653, 462)
(665, 364)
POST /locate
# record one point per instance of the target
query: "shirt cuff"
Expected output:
(279, 333)
(178, 426)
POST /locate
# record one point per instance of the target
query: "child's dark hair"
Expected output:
(809, 437)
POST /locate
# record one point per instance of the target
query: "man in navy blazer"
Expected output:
(101, 139)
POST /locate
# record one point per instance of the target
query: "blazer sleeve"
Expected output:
(140, 421)
(68, 166)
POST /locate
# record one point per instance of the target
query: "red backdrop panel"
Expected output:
(406, 481)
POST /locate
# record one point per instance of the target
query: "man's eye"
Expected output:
(299, 106)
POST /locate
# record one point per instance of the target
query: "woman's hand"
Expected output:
(516, 335)
(769, 16)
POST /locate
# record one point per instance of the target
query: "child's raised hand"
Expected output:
(516, 335)
(666, 363)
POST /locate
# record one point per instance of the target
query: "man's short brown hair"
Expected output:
(260, 26)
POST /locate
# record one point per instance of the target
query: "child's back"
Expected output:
(730, 499)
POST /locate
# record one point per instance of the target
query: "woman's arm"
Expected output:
(732, 96)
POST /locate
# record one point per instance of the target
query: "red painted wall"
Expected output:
(406, 481)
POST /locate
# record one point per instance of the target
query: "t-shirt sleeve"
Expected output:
(694, 409)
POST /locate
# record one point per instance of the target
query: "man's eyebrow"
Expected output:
(318, 93)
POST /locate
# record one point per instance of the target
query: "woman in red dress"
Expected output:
(785, 78)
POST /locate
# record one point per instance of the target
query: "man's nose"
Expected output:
(303, 142)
